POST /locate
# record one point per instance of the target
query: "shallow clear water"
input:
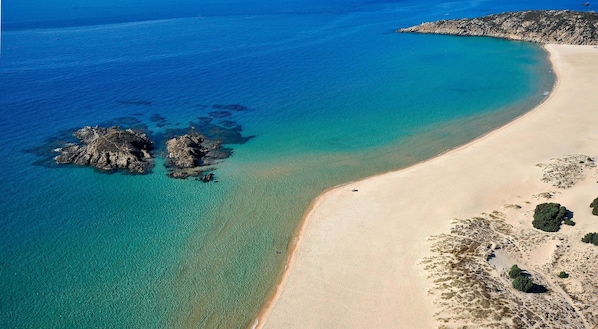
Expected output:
(333, 96)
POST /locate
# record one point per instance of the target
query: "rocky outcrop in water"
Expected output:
(191, 155)
(129, 146)
(543, 26)
(109, 149)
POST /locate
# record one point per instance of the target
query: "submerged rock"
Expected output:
(159, 120)
(109, 149)
(230, 107)
(220, 114)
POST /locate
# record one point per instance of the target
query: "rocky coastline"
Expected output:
(540, 26)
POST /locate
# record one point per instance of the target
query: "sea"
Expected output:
(307, 94)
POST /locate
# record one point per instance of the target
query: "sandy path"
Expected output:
(356, 262)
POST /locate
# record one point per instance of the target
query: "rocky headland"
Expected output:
(542, 26)
(109, 149)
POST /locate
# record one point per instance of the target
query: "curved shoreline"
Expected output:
(556, 54)
(259, 321)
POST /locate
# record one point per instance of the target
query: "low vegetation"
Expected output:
(515, 272)
(563, 275)
(520, 282)
(594, 207)
(591, 238)
(548, 217)
(523, 283)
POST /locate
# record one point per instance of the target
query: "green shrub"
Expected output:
(515, 271)
(548, 217)
(563, 275)
(590, 238)
(594, 208)
(523, 283)
(569, 222)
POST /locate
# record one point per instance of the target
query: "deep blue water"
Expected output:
(333, 95)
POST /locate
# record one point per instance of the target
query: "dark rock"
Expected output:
(157, 118)
(204, 120)
(178, 174)
(207, 178)
(543, 26)
(109, 149)
(228, 124)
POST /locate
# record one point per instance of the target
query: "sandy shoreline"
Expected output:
(356, 261)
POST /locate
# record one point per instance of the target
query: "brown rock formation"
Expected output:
(109, 149)
(191, 155)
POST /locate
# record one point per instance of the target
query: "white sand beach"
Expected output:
(357, 259)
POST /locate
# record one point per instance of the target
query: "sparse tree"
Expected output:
(523, 283)
(594, 207)
(590, 238)
(515, 272)
(548, 217)
(563, 275)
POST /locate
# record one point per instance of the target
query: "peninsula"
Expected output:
(542, 26)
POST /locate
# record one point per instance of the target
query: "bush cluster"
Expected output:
(594, 208)
(569, 222)
(523, 283)
(515, 271)
(548, 217)
(591, 238)
(563, 275)
(520, 282)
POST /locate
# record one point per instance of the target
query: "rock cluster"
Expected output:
(543, 26)
(109, 149)
(112, 149)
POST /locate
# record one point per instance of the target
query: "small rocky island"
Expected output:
(109, 149)
(191, 155)
(542, 26)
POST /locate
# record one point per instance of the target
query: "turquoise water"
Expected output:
(333, 96)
